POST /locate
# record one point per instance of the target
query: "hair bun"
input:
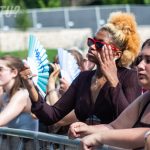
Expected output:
(123, 27)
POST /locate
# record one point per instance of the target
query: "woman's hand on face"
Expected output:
(79, 129)
(64, 85)
(108, 65)
(53, 76)
(91, 142)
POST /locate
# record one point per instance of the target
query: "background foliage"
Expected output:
(59, 3)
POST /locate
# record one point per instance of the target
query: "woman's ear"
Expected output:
(14, 72)
(118, 54)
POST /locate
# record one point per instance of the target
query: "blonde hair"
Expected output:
(123, 28)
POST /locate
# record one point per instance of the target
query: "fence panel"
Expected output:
(15, 139)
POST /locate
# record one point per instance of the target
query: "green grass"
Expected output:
(23, 54)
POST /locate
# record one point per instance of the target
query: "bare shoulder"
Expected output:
(21, 94)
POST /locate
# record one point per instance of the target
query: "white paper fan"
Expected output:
(39, 64)
(68, 65)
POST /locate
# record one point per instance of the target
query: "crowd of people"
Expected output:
(104, 105)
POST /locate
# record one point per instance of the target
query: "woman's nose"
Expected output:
(93, 47)
(141, 64)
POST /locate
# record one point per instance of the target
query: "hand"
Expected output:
(79, 129)
(64, 85)
(26, 75)
(108, 65)
(90, 142)
(53, 76)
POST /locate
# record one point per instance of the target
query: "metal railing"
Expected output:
(16, 139)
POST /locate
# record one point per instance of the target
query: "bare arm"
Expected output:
(124, 138)
(126, 120)
(52, 94)
(147, 140)
(16, 106)
(130, 115)
(70, 118)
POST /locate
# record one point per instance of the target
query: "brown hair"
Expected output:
(146, 43)
(123, 28)
(14, 63)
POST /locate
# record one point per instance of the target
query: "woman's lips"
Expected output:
(141, 76)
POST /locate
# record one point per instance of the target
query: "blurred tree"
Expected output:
(54, 3)
(22, 21)
(123, 1)
(32, 4)
(58, 3)
(146, 1)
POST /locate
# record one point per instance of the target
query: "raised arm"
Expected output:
(125, 91)
(123, 82)
(52, 95)
(50, 114)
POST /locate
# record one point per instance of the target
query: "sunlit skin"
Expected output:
(101, 35)
(104, 58)
(7, 75)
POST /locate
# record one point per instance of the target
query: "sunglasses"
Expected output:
(99, 44)
(141, 58)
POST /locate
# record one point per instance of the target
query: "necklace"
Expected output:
(98, 82)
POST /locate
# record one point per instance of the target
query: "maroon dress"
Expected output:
(109, 104)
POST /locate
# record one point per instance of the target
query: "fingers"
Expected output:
(106, 53)
(56, 70)
(26, 74)
(110, 53)
(76, 129)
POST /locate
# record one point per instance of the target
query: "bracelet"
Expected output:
(146, 135)
(50, 91)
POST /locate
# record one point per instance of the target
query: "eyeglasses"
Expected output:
(141, 58)
(99, 44)
(4, 69)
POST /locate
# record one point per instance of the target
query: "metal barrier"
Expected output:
(16, 139)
